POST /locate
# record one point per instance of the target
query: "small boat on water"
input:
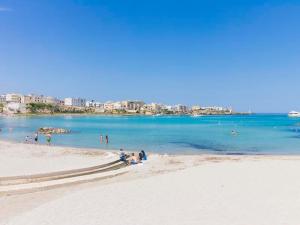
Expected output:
(294, 114)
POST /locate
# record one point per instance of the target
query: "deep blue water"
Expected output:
(257, 134)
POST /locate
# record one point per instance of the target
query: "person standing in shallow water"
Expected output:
(36, 137)
(101, 139)
(106, 138)
(48, 139)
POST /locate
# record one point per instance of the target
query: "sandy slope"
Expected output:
(210, 190)
(22, 159)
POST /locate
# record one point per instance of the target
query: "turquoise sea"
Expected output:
(256, 134)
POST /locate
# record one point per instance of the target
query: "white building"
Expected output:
(94, 104)
(12, 97)
(89, 103)
(53, 100)
(196, 107)
(109, 106)
(78, 102)
(132, 105)
(118, 106)
(180, 108)
(153, 107)
(2, 99)
(213, 108)
(31, 98)
(169, 108)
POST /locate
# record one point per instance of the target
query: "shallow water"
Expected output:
(256, 134)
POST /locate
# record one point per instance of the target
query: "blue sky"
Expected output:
(243, 54)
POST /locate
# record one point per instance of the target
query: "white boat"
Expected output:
(294, 114)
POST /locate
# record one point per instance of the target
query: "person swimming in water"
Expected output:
(234, 133)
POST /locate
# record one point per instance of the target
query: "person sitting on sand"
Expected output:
(133, 159)
(140, 156)
(122, 155)
(144, 155)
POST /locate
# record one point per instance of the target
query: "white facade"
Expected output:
(132, 105)
(109, 106)
(13, 98)
(214, 108)
(26, 99)
(153, 107)
(2, 98)
(181, 108)
(117, 106)
(52, 100)
(78, 102)
(94, 104)
(196, 107)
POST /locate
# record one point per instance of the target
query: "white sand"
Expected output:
(236, 190)
(22, 159)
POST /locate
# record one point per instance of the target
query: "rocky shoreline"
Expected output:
(52, 130)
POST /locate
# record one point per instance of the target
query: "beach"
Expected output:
(166, 189)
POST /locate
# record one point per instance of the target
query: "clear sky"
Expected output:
(244, 54)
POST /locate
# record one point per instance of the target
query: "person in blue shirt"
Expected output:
(144, 156)
(123, 156)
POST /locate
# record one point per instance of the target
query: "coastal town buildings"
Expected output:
(97, 106)
(108, 106)
(26, 99)
(118, 106)
(77, 102)
(32, 98)
(180, 108)
(196, 107)
(18, 103)
(211, 110)
(169, 108)
(152, 108)
(2, 99)
(94, 104)
(131, 106)
(215, 108)
(53, 101)
(12, 97)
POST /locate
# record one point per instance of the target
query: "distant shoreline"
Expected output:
(115, 114)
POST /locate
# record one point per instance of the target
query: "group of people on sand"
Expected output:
(132, 159)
